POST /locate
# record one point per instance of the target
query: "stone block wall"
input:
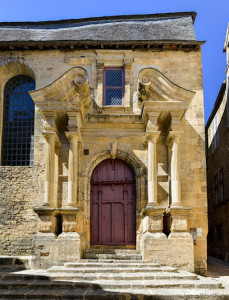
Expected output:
(22, 188)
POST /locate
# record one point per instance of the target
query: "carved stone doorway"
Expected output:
(113, 204)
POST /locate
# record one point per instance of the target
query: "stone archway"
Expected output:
(113, 204)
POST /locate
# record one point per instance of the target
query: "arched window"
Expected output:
(18, 122)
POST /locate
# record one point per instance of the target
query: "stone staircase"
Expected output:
(109, 274)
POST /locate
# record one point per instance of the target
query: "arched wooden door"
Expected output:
(113, 204)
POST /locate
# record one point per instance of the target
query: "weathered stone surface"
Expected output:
(105, 132)
(110, 280)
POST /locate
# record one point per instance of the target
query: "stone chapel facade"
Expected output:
(102, 139)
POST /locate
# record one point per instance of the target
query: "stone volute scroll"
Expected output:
(68, 92)
(154, 86)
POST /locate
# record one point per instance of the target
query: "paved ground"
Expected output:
(219, 270)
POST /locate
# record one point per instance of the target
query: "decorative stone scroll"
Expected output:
(69, 91)
(155, 86)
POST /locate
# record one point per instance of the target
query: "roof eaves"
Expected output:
(105, 18)
(188, 42)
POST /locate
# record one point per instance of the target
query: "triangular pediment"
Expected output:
(69, 91)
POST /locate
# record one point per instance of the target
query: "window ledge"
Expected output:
(114, 109)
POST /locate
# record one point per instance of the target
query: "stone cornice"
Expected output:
(173, 136)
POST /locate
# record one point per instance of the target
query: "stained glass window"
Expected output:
(18, 122)
(113, 91)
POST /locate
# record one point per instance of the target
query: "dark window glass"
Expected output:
(216, 189)
(18, 122)
(113, 86)
(220, 232)
(221, 186)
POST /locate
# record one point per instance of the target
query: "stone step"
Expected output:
(24, 275)
(113, 256)
(112, 251)
(113, 285)
(40, 284)
(123, 276)
(63, 294)
(120, 264)
(111, 260)
(145, 294)
(110, 269)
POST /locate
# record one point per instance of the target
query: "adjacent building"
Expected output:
(102, 139)
(217, 145)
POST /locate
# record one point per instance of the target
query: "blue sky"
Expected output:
(210, 25)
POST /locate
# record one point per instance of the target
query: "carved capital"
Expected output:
(173, 136)
(49, 120)
(151, 136)
(50, 137)
(73, 136)
(176, 117)
(74, 120)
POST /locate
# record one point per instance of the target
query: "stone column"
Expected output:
(172, 142)
(73, 138)
(152, 168)
(51, 139)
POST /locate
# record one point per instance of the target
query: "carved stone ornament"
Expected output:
(154, 86)
(113, 150)
(69, 91)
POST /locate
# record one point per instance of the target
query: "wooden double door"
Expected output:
(113, 204)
